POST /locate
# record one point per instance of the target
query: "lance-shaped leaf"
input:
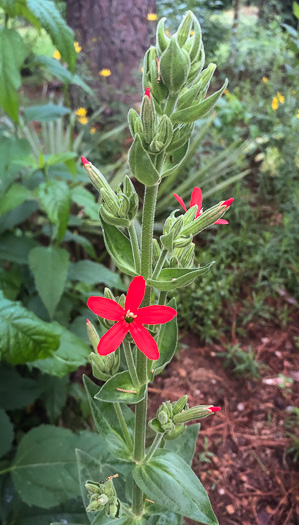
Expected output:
(45, 113)
(119, 248)
(120, 389)
(55, 197)
(107, 424)
(173, 278)
(185, 444)
(167, 342)
(141, 165)
(173, 160)
(198, 111)
(170, 482)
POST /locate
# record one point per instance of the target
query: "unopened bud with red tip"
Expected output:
(84, 161)
(193, 414)
(147, 93)
(97, 178)
(228, 202)
(214, 409)
(148, 117)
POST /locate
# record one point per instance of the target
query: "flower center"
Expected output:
(129, 317)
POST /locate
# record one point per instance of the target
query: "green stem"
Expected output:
(123, 425)
(131, 364)
(162, 297)
(159, 264)
(155, 444)
(128, 512)
(149, 205)
(135, 247)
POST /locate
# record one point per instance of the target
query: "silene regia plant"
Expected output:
(151, 480)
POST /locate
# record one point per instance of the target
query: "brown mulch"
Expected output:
(251, 479)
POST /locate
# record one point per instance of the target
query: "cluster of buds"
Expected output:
(171, 417)
(103, 367)
(103, 496)
(118, 208)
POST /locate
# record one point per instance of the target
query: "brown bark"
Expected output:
(114, 34)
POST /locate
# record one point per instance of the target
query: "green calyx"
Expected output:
(102, 496)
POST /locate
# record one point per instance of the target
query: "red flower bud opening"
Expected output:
(228, 202)
(85, 161)
(147, 93)
(87, 321)
(214, 409)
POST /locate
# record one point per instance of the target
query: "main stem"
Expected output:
(149, 205)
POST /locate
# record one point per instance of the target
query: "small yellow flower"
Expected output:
(56, 54)
(280, 97)
(83, 120)
(105, 72)
(81, 112)
(274, 103)
(77, 47)
(151, 17)
(265, 80)
(142, 69)
(94, 39)
(93, 130)
(297, 114)
(191, 32)
(226, 92)
(167, 33)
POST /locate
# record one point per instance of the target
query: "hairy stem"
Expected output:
(130, 363)
(135, 247)
(155, 444)
(123, 425)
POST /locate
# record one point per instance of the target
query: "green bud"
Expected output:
(180, 405)
(167, 241)
(158, 89)
(189, 216)
(156, 251)
(206, 219)
(162, 41)
(108, 488)
(196, 40)
(182, 241)
(124, 205)
(104, 367)
(175, 433)
(134, 122)
(187, 259)
(197, 66)
(110, 218)
(93, 506)
(164, 135)
(177, 225)
(198, 91)
(122, 300)
(148, 118)
(96, 177)
(181, 135)
(163, 417)
(113, 508)
(111, 201)
(183, 31)
(193, 414)
(128, 187)
(93, 487)
(93, 335)
(141, 165)
(174, 66)
(108, 294)
(103, 500)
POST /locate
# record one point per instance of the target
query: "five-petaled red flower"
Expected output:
(196, 200)
(130, 319)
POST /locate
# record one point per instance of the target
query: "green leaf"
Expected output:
(174, 160)
(111, 390)
(24, 337)
(168, 518)
(107, 423)
(85, 199)
(141, 165)
(83, 241)
(12, 55)
(64, 75)
(55, 198)
(60, 158)
(61, 34)
(45, 471)
(198, 111)
(104, 520)
(185, 444)
(49, 267)
(167, 342)
(17, 215)
(54, 392)
(91, 272)
(6, 434)
(10, 282)
(45, 113)
(15, 196)
(16, 391)
(172, 278)
(71, 354)
(16, 249)
(170, 482)
(296, 9)
(70, 512)
(119, 248)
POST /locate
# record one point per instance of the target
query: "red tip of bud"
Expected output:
(84, 161)
(228, 202)
(214, 409)
(87, 321)
(147, 93)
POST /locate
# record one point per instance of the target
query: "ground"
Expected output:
(250, 477)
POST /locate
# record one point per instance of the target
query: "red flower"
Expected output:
(147, 93)
(196, 200)
(130, 320)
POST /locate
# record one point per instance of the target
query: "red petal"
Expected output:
(84, 161)
(155, 314)
(147, 92)
(228, 202)
(214, 409)
(135, 294)
(221, 221)
(144, 341)
(180, 200)
(196, 198)
(112, 339)
(106, 308)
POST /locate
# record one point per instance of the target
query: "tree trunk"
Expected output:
(114, 35)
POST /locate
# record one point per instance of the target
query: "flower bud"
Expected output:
(111, 201)
(196, 41)
(163, 137)
(104, 367)
(182, 241)
(174, 66)
(148, 118)
(193, 414)
(134, 122)
(180, 405)
(187, 258)
(93, 335)
(175, 433)
(162, 41)
(103, 500)
(181, 135)
(92, 487)
(183, 31)
(156, 251)
(124, 205)
(206, 219)
(108, 294)
(96, 177)
(196, 92)
(113, 219)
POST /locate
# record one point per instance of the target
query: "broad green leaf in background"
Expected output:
(16, 249)
(170, 482)
(10, 282)
(45, 113)
(185, 444)
(119, 389)
(167, 342)
(172, 278)
(71, 354)
(64, 75)
(119, 248)
(15, 196)
(296, 9)
(54, 392)
(16, 391)
(6, 434)
(55, 198)
(104, 520)
(60, 158)
(12, 151)
(90, 272)
(107, 424)
(85, 199)
(45, 470)
(12, 55)
(24, 337)
(17, 215)
(80, 239)
(49, 266)
(168, 518)
(61, 34)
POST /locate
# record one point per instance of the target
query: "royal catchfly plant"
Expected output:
(196, 200)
